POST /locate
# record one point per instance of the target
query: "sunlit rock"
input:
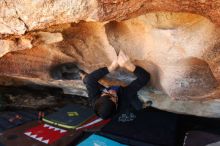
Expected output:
(178, 43)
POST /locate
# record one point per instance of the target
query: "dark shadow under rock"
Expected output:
(65, 71)
(36, 97)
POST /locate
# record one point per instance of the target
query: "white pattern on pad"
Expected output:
(54, 128)
(91, 123)
(35, 136)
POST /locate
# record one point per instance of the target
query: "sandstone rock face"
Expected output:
(180, 50)
(19, 16)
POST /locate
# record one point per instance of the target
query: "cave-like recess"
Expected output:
(180, 50)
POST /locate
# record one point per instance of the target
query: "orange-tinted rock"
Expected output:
(180, 50)
(19, 16)
(188, 78)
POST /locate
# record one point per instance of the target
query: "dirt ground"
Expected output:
(39, 98)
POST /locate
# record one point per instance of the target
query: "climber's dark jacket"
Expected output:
(127, 96)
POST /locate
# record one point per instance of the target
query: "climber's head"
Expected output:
(106, 105)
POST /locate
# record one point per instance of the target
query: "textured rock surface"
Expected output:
(206, 108)
(19, 16)
(180, 50)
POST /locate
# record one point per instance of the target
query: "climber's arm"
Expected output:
(143, 78)
(91, 80)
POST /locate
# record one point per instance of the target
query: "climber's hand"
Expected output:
(113, 66)
(124, 61)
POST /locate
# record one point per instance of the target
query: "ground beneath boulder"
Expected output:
(36, 98)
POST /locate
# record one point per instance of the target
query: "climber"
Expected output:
(108, 101)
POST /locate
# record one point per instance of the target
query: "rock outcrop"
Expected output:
(178, 42)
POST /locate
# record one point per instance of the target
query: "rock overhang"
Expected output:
(179, 49)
